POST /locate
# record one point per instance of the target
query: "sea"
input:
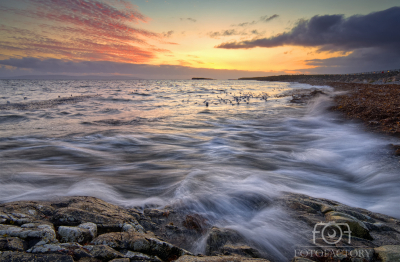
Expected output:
(216, 148)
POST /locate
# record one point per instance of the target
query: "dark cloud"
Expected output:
(35, 66)
(189, 19)
(335, 32)
(361, 60)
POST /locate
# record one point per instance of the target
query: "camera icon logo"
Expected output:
(331, 232)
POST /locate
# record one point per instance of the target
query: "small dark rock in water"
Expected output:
(25, 98)
(207, 104)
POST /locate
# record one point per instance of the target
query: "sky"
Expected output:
(180, 39)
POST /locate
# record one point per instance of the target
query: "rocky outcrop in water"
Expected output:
(89, 229)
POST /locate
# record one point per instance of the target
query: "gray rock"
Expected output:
(45, 233)
(27, 257)
(47, 248)
(136, 256)
(219, 259)
(92, 227)
(134, 226)
(74, 234)
(139, 242)
(103, 252)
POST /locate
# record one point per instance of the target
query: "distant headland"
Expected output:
(202, 78)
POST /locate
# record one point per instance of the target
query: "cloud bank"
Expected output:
(35, 66)
(335, 32)
(372, 41)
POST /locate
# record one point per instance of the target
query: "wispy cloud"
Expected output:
(168, 34)
(90, 29)
(188, 19)
(265, 18)
(268, 18)
(231, 32)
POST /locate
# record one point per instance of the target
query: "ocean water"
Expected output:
(148, 142)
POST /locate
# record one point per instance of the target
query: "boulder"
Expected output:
(133, 226)
(74, 234)
(92, 227)
(139, 242)
(44, 234)
(102, 252)
(218, 237)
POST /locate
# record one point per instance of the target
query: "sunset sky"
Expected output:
(180, 39)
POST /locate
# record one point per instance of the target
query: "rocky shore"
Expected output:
(372, 98)
(89, 229)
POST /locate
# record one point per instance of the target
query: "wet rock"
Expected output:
(218, 237)
(136, 256)
(358, 228)
(47, 248)
(74, 234)
(388, 253)
(133, 226)
(139, 242)
(103, 252)
(195, 222)
(92, 227)
(12, 244)
(43, 233)
(219, 259)
(78, 210)
(241, 250)
(27, 257)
